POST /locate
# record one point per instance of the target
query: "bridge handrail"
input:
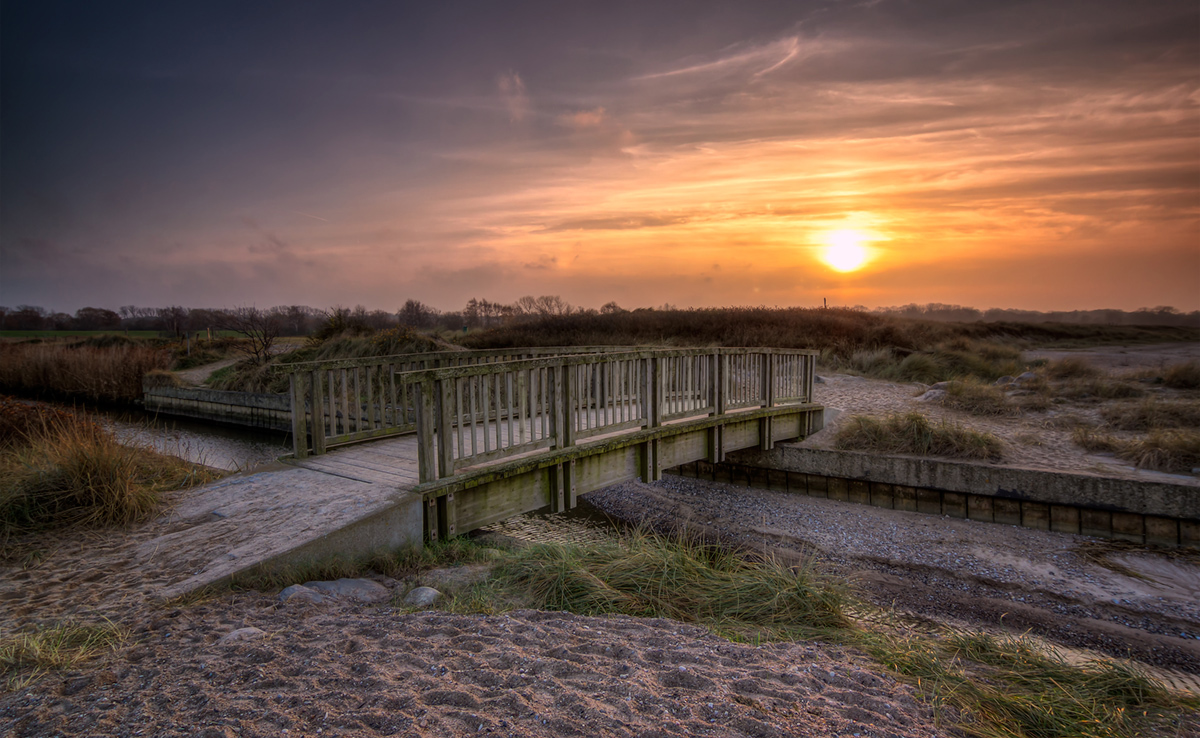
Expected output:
(544, 401)
(380, 407)
(468, 415)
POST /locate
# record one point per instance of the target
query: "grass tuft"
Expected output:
(912, 433)
(1184, 376)
(1070, 368)
(1176, 451)
(61, 469)
(27, 655)
(1152, 414)
(978, 398)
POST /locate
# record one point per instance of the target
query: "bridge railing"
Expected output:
(469, 415)
(346, 400)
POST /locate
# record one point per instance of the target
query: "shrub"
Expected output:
(912, 433)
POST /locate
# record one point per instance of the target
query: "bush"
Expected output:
(912, 433)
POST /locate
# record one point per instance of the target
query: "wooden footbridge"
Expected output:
(480, 436)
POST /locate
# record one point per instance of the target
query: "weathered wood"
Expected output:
(426, 446)
(299, 412)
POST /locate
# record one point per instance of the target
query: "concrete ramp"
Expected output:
(275, 517)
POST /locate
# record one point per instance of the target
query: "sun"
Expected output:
(844, 250)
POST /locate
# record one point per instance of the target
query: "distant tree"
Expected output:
(611, 308)
(259, 327)
(27, 318)
(174, 319)
(416, 314)
(95, 319)
(59, 322)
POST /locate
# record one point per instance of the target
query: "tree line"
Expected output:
(302, 320)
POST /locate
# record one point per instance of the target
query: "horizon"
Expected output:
(1041, 157)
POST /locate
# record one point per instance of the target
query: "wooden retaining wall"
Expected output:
(1063, 518)
(253, 409)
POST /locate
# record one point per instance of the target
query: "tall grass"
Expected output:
(912, 433)
(111, 373)
(979, 398)
(61, 469)
(680, 578)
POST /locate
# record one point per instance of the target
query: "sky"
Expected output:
(1039, 155)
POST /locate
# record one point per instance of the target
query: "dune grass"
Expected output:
(1007, 687)
(912, 433)
(1152, 414)
(1175, 451)
(1185, 376)
(979, 398)
(683, 579)
(61, 469)
(26, 655)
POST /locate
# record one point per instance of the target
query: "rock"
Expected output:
(242, 634)
(300, 593)
(422, 597)
(932, 395)
(363, 590)
(818, 379)
(1006, 379)
(1026, 377)
(943, 386)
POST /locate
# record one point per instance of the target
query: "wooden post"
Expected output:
(318, 413)
(445, 426)
(426, 446)
(652, 392)
(768, 380)
(570, 389)
(431, 520)
(721, 377)
(299, 426)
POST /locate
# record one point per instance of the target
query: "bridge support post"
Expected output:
(431, 520)
(716, 444)
(562, 486)
(766, 433)
(651, 467)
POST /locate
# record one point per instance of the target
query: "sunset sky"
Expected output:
(1041, 155)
